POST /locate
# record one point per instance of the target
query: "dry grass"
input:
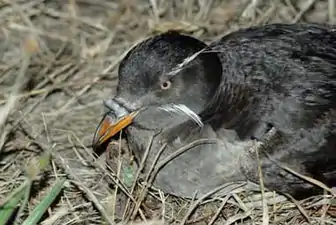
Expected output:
(59, 62)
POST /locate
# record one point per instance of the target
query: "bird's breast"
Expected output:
(197, 164)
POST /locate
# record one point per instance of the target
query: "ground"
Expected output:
(59, 61)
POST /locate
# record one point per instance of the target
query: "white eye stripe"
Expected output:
(185, 62)
(182, 110)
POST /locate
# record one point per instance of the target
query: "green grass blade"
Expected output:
(10, 205)
(43, 206)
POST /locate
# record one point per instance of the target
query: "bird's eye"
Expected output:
(165, 85)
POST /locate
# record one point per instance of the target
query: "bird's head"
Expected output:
(168, 72)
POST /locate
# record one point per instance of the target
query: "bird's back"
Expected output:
(288, 70)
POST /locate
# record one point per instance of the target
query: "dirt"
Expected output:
(61, 57)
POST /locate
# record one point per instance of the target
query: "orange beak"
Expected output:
(107, 128)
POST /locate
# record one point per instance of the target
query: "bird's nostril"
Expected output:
(109, 103)
(118, 108)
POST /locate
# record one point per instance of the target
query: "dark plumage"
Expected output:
(274, 76)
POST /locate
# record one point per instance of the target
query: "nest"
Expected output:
(59, 61)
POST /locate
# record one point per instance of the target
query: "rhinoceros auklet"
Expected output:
(221, 99)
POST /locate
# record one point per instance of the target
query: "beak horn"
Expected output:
(107, 128)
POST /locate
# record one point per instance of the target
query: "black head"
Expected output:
(145, 78)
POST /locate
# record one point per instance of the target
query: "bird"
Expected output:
(259, 102)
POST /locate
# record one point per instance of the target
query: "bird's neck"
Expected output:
(230, 108)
